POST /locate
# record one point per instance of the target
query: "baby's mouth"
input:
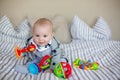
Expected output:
(41, 42)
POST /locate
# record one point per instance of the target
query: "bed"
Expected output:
(89, 44)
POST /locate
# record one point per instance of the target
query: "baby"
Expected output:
(46, 44)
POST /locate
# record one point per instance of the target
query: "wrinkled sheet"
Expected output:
(106, 53)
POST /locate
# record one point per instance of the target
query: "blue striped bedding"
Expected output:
(107, 53)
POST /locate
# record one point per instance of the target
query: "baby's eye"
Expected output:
(37, 35)
(44, 35)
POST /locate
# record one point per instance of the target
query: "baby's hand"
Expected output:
(48, 70)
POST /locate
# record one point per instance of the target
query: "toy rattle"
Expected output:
(86, 65)
(63, 70)
(19, 51)
(44, 64)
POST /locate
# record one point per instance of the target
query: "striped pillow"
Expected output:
(9, 37)
(102, 28)
(22, 32)
(80, 31)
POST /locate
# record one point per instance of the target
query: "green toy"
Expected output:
(63, 70)
(86, 65)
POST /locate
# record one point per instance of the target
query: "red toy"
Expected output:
(19, 51)
(44, 64)
(63, 70)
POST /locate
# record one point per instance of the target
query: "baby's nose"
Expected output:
(40, 39)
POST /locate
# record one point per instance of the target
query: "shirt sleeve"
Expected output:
(58, 56)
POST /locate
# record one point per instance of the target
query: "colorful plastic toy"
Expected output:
(63, 70)
(86, 65)
(44, 64)
(19, 52)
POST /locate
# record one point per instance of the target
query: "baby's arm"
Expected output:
(36, 60)
(58, 56)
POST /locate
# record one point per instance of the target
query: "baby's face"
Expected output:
(42, 34)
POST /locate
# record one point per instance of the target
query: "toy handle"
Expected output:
(19, 51)
(45, 62)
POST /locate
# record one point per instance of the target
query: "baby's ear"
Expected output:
(32, 33)
(53, 33)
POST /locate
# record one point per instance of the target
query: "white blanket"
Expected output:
(106, 53)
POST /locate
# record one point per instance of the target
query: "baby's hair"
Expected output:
(43, 21)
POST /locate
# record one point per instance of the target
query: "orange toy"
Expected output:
(29, 48)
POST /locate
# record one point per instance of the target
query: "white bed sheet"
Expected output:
(107, 53)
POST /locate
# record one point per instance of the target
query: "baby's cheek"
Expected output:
(48, 39)
(36, 40)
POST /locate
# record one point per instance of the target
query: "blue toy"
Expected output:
(44, 64)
